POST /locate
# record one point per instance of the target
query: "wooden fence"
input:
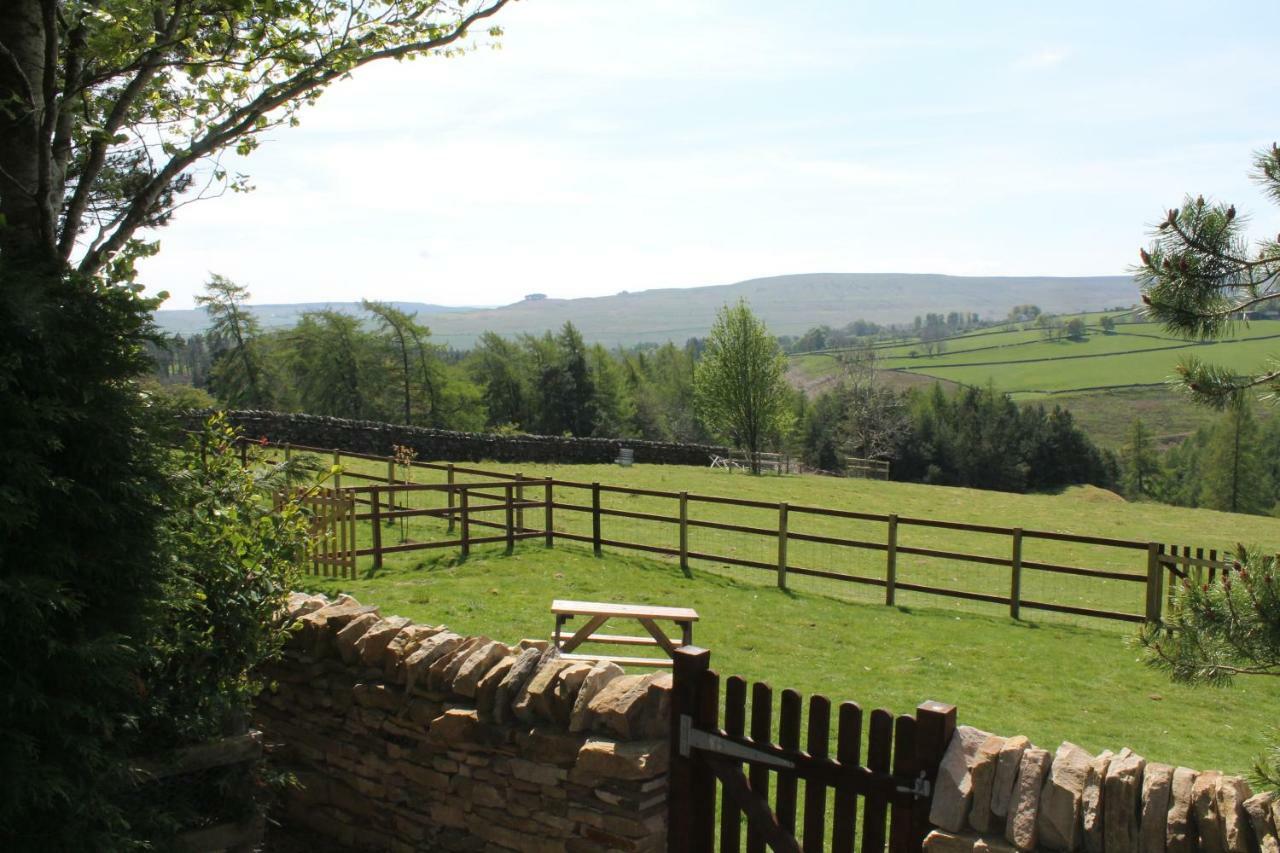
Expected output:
(894, 780)
(528, 508)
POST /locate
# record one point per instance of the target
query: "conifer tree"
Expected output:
(1141, 464)
(1235, 477)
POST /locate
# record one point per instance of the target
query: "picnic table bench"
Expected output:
(598, 613)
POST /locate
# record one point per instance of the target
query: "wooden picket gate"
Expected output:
(895, 782)
(333, 532)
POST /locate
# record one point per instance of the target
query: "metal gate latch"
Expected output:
(919, 788)
(691, 738)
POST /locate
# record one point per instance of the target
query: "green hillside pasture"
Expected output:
(1025, 364)
(1082, 510)
(1049, 682)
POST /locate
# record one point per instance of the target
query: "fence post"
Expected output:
(595, 518)
(684, 777)
(244, 452)
(549, 521)
(935, 725)
(1015, 581)
(782, 546)
(375, 505)
(288, 474)
(684, 532)
(510, 519)
(1155, 579)
(519, 500)
(449, 480)
(337, 463)
(891, 562)
(391, 481)
(466, 523)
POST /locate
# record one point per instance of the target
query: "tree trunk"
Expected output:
(27, 236)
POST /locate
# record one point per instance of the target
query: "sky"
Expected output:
(612, 145)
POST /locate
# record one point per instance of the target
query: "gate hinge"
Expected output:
(919, 788)
(691, 739)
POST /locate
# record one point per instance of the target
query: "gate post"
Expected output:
(595, 518)
(1155, 582)
(375, 507)
(549, 527)
(466, 522)
(684, 777)
(935, 725)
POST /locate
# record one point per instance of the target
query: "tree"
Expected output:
(415, 357)
(330, 360)
(117, 109)
(1200, 277)
(1235, 476)
(1075, 329)
(1218, 630)
(1141, 463)
(238, 376)
(1108, 324)
(739, 384)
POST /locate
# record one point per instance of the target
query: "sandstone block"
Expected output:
(547, 745)
(1180, 834)
(438, 674)
(1204, 799)
(951, 795)
(629, 760)
(1236, 831)
(402, 645)
(456, 726)
(992, 844)
(373, 644)
(567, 685)
(1122, 791)
(601, 674)
(476, 666)
(428, 652)
(487, 687)
(1059, 825)
(1091, 803)
(534, 701)
(1024, 806)
(511, 686)
(1007, 774)
(939, 841)
(1157, 782)
(632, 706)
(345, 640)
(299, 604)
(1262, 810)
(983, 776)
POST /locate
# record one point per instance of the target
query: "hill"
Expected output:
(789, 304)
(187, 321)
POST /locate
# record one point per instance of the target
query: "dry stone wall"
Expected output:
(1006, 795)
(413, 737)
(446, 445)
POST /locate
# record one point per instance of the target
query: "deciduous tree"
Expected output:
(740, 385)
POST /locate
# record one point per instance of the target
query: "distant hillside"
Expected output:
(189, 320)
(789, 304)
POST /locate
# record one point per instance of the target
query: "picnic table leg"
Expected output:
(560, 620)
(686, 633)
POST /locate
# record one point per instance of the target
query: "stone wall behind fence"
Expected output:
(446, 445)
(412, 737)
(1005, 794)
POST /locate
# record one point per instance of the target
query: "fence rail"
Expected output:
(500, 506)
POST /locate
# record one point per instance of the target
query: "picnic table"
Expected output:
(598, 613)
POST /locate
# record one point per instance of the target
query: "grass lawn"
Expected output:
(1052, 682)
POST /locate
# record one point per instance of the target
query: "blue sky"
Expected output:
(614, 145)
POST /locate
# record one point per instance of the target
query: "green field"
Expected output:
(1105, 379)
(1049, 676)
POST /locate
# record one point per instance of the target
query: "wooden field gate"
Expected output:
(333, 531)
(894, 781)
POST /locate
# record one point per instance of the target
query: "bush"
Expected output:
(80, 501)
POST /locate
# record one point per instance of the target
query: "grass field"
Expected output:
(1050, 682)
(1105, 379)
(1049, 676)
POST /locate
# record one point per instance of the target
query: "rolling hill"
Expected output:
(789, 305)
